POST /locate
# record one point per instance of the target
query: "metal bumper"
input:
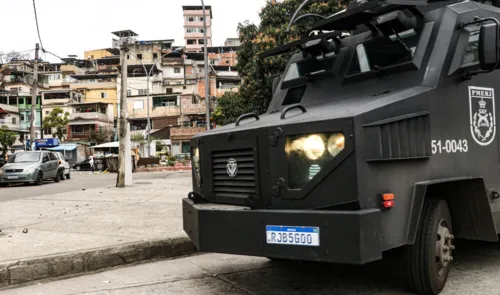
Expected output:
(350, 237)
(21, 178)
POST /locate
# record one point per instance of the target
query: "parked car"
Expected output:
(83, 165)
(31, 167)
(64, 165)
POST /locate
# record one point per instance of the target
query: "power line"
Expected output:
(37, 27)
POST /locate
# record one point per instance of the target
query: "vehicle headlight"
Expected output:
(314, 147)
(195, 159)
(30, 170)
(307, 155)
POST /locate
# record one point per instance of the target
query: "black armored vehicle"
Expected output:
(382, 138)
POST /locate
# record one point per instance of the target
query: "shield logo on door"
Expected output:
(232, 167)
(482, 114)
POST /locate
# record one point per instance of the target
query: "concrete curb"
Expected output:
(29, 270)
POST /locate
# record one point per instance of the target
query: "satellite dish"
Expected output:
(29, 79)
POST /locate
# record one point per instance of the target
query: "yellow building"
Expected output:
(100, 53)
(98, 88)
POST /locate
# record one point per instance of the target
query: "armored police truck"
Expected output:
(382, 138)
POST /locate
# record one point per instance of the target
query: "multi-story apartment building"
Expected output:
(15, 79)
(89, 117)
(194, 28)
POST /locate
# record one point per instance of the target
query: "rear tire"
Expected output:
(428, 261)
(58, 176)
(78, 168)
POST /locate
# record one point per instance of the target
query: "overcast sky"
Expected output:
(74, 26)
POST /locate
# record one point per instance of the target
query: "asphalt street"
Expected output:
(78, 181)
(476, 271)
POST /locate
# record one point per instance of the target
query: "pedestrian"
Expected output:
(91, 163)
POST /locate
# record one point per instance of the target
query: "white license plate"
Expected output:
(12, 177)
(292, 235)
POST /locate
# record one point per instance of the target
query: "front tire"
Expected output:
(39, 178)
(78, 168)
(68, 176)
(429, 260)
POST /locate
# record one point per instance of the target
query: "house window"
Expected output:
(191, 30)
(14, 121)
(104, 95)
(201, 30)
(47, 112)
(128, 56)
(201, 41)
(22, 117)
(177, 70)
(139, 56)
(155, 55)
(212, 61)
(129, 92)
(77, 129)
(143, 91)
(170, 90)
(191, 19)
(200, 18)
(191, 42)
(164, 101)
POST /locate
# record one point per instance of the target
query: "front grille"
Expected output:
(13, 170)
(16, 179)
(244, 183)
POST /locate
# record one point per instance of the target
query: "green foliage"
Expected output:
(160, 146)
(7, 139)
(139, 140)
(57, 122)
(102, 135)
(256, 90)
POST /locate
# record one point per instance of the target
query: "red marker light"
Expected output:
(388, 204)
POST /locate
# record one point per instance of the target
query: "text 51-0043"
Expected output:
(450, 146)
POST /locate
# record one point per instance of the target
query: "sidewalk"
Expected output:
(87, 230)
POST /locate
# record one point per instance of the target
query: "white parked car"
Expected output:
(64, 164)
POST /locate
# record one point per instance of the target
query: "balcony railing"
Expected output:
(79, 135)
(89, 117)
(72, 69)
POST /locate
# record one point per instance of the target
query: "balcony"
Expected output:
(79, 136)
(94, 85)
(107, 68)
(72, 69)
(90, 117)
(172, 61)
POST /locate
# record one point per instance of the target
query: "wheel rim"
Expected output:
(444, 247)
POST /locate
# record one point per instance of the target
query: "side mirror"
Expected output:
(488, 46)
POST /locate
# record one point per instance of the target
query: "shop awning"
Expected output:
(67, 148)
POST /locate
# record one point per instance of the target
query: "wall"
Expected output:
(96, 54)
(190, 105)
(94, 95)
(201, 87)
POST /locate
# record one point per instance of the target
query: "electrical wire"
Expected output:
(37, 27)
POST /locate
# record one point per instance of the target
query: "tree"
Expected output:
(102, 135)
(257, 74)
(7, 139)
(160, 146)
(141, 142)
(57, 122)
(7, 57)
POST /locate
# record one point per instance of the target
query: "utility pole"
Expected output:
(124, 154)
(207, 82)
(34, 94)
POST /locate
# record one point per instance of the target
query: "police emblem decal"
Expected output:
(482, 114)
(232, 167)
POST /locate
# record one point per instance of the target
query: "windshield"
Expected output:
(25, 158)
(383, 52)
(309, 67)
